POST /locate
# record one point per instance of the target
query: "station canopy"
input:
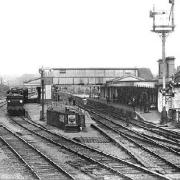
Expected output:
(130, 80)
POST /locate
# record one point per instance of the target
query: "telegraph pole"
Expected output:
(41, 71)
(163, 30)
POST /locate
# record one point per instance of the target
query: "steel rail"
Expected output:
(136, 133)
(102, 153)
(142, 147)
(77, 152)
(124, 134)
(41, 154)
(171, 133)
(21, 158)
(174, 138)
(139, 135)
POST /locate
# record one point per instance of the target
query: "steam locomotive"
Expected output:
(16, 97)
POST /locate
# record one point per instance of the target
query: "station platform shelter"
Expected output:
(123, 90)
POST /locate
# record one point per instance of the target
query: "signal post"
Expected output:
(163, 28)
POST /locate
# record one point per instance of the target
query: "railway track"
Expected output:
(118, 167)
(40, 166)
(142, 133)
(150, 131)
(157, 131)
(148, 158)
(167, 159)
(11, 165)
(82, 168)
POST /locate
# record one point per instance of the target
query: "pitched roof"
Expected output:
(145, 73)
(126, 78)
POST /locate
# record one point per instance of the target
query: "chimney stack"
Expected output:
(169, 67)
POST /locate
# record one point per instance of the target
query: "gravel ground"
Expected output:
(10, 167)
(34, 112)
(110, 149)
(5, 121)
(58, 155)
(11, 171)
(88, 132)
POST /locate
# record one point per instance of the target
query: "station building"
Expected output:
(124, 88)
(74, 78)
(118, 84)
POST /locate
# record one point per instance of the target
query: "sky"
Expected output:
(81, 33)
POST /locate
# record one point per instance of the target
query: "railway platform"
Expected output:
(34, 113)
(153, 116)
